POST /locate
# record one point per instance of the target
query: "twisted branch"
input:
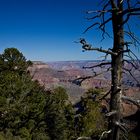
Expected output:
(87, 47)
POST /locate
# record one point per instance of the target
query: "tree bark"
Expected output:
(117, 63)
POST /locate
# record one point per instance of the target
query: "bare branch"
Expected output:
(99, 11)
(102, 2)
(105, 57)
(84, 138)
(105, 132)
(135, 39)
(79, 80)
(105, 95)
(114, 5)
(94, 17)
(128, 17)
(129, 71)
(128, 11)
(134, 101)
(111, 113)
(87, 47)
(95, 24)
(98, 65)
(105, 22)
(132, 61)
(121, 1)
(132, 64)
(121, 126)
(136, 4)
(134, 55)
(104, 32)
(106, 5)
(103, 26)
(102, 11)
(128, 4)
(102, 50)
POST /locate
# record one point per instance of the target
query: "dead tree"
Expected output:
(118, 12)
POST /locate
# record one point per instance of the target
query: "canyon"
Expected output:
(67, 73)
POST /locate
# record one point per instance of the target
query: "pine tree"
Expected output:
(90, 121)
(22, 100)
(55, 115)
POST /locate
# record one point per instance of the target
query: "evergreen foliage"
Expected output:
(59, 115)
(91, 121)
(13, 60)
(22, 101)
(29, 112)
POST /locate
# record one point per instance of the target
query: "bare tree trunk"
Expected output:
(119, 17)
(117, 62)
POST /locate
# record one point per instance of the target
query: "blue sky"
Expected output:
(46, 29)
